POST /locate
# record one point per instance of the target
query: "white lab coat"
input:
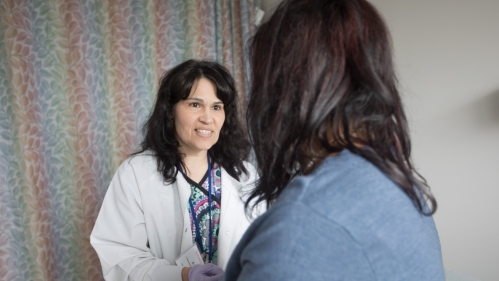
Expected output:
(139, 208)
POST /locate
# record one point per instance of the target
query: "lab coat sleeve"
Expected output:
(119, 236)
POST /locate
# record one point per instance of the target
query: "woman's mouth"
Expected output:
(204, 132)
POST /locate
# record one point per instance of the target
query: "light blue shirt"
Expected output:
(345, 221)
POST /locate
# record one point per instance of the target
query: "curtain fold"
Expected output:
(77, 81)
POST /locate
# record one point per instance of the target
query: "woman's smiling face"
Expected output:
(199, 118)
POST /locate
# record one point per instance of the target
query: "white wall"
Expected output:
(447, 57)
(269, 7)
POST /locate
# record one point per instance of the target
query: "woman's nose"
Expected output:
(206, 117)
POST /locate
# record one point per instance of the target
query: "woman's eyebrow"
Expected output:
(201, 100)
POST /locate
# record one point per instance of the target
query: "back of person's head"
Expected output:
(160, 136)
(323, 81)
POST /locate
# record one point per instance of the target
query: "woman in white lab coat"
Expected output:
(182, 195)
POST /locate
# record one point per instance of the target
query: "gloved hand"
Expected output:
(205, 272)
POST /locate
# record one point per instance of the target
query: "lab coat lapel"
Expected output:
(184, 191)
(228, 217)
(230, 196)
(228, 214)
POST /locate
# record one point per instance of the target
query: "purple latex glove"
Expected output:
(205, 272)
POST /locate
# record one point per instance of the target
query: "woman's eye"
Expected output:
(194, 104)
(217, 107)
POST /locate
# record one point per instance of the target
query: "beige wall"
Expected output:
(447, 58)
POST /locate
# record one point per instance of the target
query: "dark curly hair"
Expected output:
(159, 131)
(323, 76)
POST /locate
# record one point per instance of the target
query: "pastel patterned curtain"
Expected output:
(77, 81)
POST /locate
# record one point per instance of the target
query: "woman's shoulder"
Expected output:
(245, 179)
(252, 174)
(144, 156)
(139, 170)
(353, 171)
(141, 162)
(349, 182)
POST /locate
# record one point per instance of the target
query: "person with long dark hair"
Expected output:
(333, 151)
(178, 201)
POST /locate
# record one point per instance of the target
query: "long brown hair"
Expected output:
(322, 70)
